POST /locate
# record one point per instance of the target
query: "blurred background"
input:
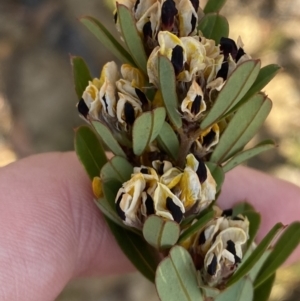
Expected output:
(37, 98)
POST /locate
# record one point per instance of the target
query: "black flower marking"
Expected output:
(195, 109)
(223, 72)
(239, 54)
(105, 102)
(227, 212)
(212, 267)
(129, 113)
(201, 172)
(136, 5)
(149, 205)
(193, 23)
(174, 209)
(227, 47)
(116, 17)
(168, 13)
(177, 59)
(141, 95)
(145, 171)
(195, 3)
(202, 238)
(161, 168)
(231, 249)
(83, 108)
(120, 212)
(147, 30)
(236, 218)
(209, 138)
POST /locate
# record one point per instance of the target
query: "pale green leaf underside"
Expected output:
(242, 127)
(248, 154)
(81, 75)
(234, 89)
(108, 138)
(160, 233)
(143, 256)
(176, 277)
(214, 26)
(213, 6)
(107, 39)
(131, 37)
(146, 128)
(167, 82)
(89, 151)
(284, 246)
(240, 291)
(117, 168)
(168, 141)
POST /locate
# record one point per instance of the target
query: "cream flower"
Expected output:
(188, 17)
(207, 139)
(193, 104)
(128, 109)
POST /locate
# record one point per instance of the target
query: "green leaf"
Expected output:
(81, 75)
(139, 252)
(167, 82)
(108, 138)
(213, 6)
(168, 141)
(209, 292)
(176, 277)
(201, 222)
(242, 128)
(248, 154)
(89, 151)
(110, 190)
(117, 168)
(242, 208)
(107, 39)
(234, 89)
(131, 37)
(263, 292)
(240, 291)
(214, 26)
(160, 233)
(146, 128)
(217, 173)
(254, 223)
(251, 261)
(283, 248)
(256, 269)
(265, 75)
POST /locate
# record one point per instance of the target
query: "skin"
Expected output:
(51, 231)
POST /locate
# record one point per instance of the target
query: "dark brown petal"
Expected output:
(129, 113)
(136, 5)
(227, 212)
(236, 218)
(209, 138)
(202, 238)
(105, 102)
(196, 104)
(144, 171)
(147, 30)
(177, 59)
(193, 23)
(223, 72)
(212, 267)
(195, 4)
(149, 205)
(174, 209)
(239, 54)
(227, 47)
(120, 212)
(231, 248)
(168, 13)
(201, 172)
(83, 108)
(141, 95)
(161, 168)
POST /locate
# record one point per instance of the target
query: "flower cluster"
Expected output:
(218, 247)
(166, 191)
